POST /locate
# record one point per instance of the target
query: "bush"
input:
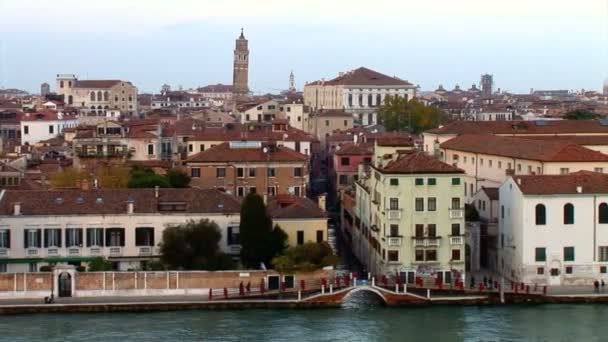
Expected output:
(46, 268)
(100, 265)
(307, 257)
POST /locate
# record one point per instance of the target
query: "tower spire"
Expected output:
(292, 82)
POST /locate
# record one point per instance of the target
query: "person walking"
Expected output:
(596, 285)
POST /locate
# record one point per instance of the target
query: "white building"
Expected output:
(36, 127)
(360, 92)
(554, 229)
(123, 225)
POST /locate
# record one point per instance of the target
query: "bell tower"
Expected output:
(240, 71)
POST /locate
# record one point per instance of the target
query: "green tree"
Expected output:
(399, 114)
(146, 178)
(100, 265)
(69, 177)
(580, 114)
(112, 177)
(307, 257)
(260, 242)
(194, 246)
(178, 178)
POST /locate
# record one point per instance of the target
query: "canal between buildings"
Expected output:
(357, 320)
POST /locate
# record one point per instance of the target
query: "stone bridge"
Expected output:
(389, 297)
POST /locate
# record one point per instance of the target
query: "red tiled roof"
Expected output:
(589, 183)
(216, 88)
(352, 149)
(523, 127)
(583, 140)
(491, 192)
(114, 201)
(365, 76)
(417, 162)
(289, 206)
(96, 83)
(523, 148)
(46, 116)
(237, 132)
(394, 141)
(225, 153)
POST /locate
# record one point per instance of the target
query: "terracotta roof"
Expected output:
(352, 149)
(584, 140)
(548, 151)
(238, 132)
(114, 201)
(416, 162)
(216, 88)
(96, 83)
(523, 127)
(293, 207)
(225, 153)
(394, 141)
(491, 192)
(365, 76)
(46, 116)
(589, 183)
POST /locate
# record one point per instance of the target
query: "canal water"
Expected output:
(357, 320)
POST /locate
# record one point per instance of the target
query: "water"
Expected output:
(357, 320)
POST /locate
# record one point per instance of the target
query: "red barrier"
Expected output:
(210, 294)
(241, 289)
(522, 286)
(302, 285)
(384, 280)
(262, 286)
(480, 287)
(527, 289)
(225, 293)
(535, 287)
(248, 287)
(338, 281)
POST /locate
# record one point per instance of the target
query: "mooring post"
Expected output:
(373, 281)
(397, 288)
(405, 288)
(331, 288)
(322, 289)
(428, 293)
(299, 295)
(369, 275)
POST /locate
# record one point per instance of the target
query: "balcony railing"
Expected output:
(394, 214)
(74, 251)
(456, 240)
(145, 250)
(95, 251)
(456, 213)
(394, 241)
(426, 242)
(32, 251)
(3, 252)
(115, 251)
(52, 251)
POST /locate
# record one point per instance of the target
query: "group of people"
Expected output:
(597, 284)
(488, 282)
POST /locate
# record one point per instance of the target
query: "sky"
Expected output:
(540, 44)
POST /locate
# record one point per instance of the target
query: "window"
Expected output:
(564, 170)
(319, 236)
(220, 172)
(327, 123)
(431, 204)
(240, 172)
(393, 256)
(419, 181)
(456, 181)
(568, 253)
(518, 167)
(73, 237)
(490, 162)
(195, 172)
(430, 255)
(419, 231)
(5, 238)
(150, 149)
(115, 237)
(26, 129)
(603, 213)
(95, 237)
(599, 169)
(251, 172)
(394, 181)
(343, 179)
(541, 214)
(568, 213)
(344, 161)
(540, 270)
(394, 204)
(431, 230)
(144, 236)
(568, 269)
(271, 172)
(499, 164)
(502, 211)
(232, 236)
(540, 254)
(419, 204)
(32, 238)
(252, 189)
(419, 255)
(240, 191)
(455, 229)
(345, 123)
(455, 254)
(300, 237)
(456, 203)
(603, 253)
(201, 147)
(51, 129)
(190, 148)
(529, 169)
(481, 161)
(271, 190)
(3, 268)
(297, 172)
(432, 181)
(296, 190)
(394, 230)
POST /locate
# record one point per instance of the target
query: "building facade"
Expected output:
(300, 218)
(36, 127)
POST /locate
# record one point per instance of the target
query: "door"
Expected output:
(273, 282)
(65, 285)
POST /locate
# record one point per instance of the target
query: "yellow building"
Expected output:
(302, 219)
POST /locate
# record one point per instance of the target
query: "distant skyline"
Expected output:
(525, 44)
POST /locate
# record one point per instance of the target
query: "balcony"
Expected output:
(456, 240)
(426, 242)
(394, 214)
(115, 251)
(394, 241)
(456, 213)
(73, 251)
(95, 251)
(52, 251)
(32, 252)
(3, 252)
(145, 250)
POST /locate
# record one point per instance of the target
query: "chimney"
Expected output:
(17, 209)
(321, 201)
(156, 190)
(130, 206)
(579, 189)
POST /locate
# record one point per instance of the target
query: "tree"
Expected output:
(100, 265)
(194, 246)
(260, 242)
(146, 178)
(113, 177)
(399, 114)
(580, 114)
(307, 257)
(178, 178)
(69, 178)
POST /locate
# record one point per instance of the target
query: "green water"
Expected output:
(356, 321)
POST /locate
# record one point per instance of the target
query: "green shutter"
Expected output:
(432, 181)
(540, 254)
(568, 253)
(455, 181)
(419, 181)
(394, 181)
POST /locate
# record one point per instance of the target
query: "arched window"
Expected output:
(92, 96)
(568, 213)
(603, 213)
(99, 98)
(106, 96)
(60, 84)
(541, 214)
(378, 100)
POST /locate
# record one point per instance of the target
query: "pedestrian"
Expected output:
(602, 284)
(485, 280)
(596, 285)
(472, 282)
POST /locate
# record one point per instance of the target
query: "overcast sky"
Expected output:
(525, 44)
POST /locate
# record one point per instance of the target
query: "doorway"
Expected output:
(65, 285)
